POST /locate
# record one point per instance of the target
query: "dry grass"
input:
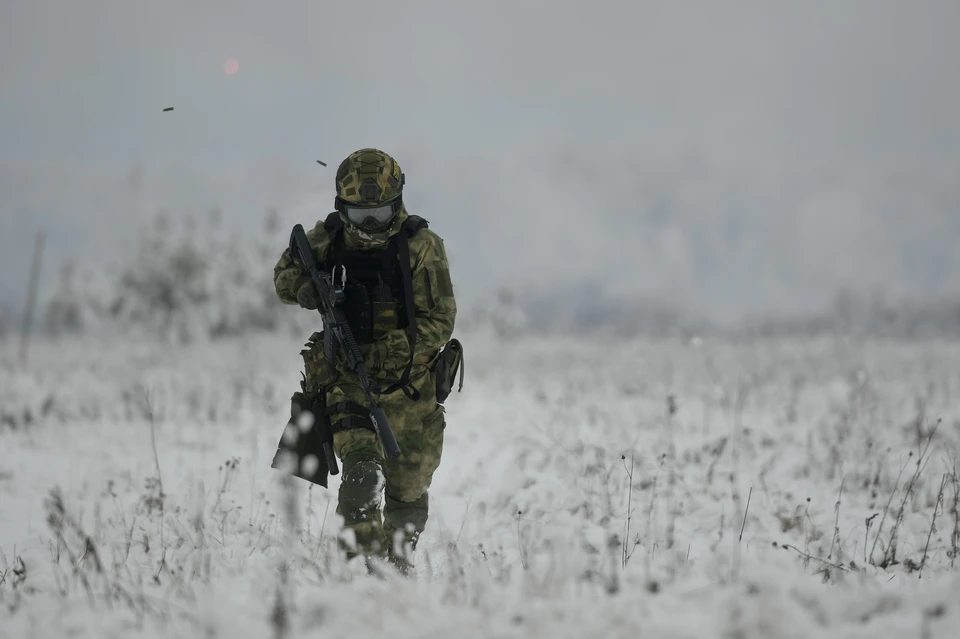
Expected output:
(531, 517)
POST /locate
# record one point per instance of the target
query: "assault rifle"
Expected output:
(335, 327)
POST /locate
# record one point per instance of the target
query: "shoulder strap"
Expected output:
(333, 224)
(413, 224)
(410, 227)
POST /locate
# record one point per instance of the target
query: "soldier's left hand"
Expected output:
(373, 356)
(390, 353)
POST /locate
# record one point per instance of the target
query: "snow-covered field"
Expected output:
(588, 489)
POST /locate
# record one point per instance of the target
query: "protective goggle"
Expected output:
(371, 217)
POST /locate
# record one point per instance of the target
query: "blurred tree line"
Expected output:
(185, 279)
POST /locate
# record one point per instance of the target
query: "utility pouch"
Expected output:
(330, 346)
(305, 449)
(448, 363)
(384, 311)
(357, 309)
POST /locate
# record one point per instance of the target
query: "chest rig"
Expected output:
(378, 288)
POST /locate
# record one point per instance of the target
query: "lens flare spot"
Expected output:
(231, 66)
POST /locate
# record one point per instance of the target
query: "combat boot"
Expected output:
(402, 524)
(359, 505)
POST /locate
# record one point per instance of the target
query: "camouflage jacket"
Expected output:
(436, 308)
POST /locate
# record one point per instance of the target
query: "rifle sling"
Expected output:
(403, 248)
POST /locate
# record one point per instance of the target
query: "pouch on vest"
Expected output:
(448, 363)
(357, 309)
(384, 311)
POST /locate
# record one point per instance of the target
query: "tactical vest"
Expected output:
(378, 287)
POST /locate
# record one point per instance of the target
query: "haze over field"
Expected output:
(737, 159)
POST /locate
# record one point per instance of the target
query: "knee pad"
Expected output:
(361, 484)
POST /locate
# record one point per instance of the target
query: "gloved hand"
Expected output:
(388, 354)
(373, 356)
(307, 295)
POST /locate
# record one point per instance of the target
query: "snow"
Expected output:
(536, 528)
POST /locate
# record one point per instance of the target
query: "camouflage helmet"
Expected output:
(369, 188)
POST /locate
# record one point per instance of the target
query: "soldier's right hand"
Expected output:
(307, 295)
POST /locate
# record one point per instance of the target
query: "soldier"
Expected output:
(401, 318)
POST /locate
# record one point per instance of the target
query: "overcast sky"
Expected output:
(731, 157)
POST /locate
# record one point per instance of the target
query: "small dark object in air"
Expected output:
(168, 109)
(321, 162)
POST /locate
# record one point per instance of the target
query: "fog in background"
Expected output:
(732, 159)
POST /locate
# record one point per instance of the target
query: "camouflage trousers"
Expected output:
(383, 502)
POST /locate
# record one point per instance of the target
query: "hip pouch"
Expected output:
(448, 363)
